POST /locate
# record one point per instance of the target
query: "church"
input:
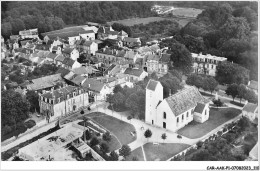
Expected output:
(177, 110)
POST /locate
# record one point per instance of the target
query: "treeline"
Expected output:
(51, 15)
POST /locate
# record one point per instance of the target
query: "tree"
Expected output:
(148, 133)
(6, 29)
(129, 118)
(125, 151)
(88, 135)
(250, 96)
(210, 84)
(154, 76)
(94, 142)
(218, 103)
(33, 99)
(113, 156)
(118, 99)
(164, 136)
(104, 147)
(181, 58)
(232, 90)
(199, 144)
(195, 80)
(117, 89)
(242, 90)
(14, 108)
(107, 136)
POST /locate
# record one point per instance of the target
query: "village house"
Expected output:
(71, 53)
(45, 83)
(59, 59)
(85, 71)
(135, 74)
(70, 64)
(51, 56)
(121, 35)
(31, 33)
(106, 33)
(250, 111)
(132, 42)
(177, 110)
(89, 47)
(206, 64)
(61, 102)
(98, 91)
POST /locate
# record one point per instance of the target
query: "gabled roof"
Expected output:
(93, 85)
(60, 58)
(250, 107)
(133, 71)
(122, 33)
(68, 50)
(44, 82)
(165, 58)
(62, 71)
(130, 39)
(42, 47)
(78, 79)
(253, 85)
(184, 100)
(51, 55)
(70, 75)
(200, 107)
(152, 84)
(84, 70)
(68, 61)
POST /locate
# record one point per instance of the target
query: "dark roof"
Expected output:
(60, 58)
(184, 100)
(135, 72)
(165, 58)
(51, 55)
(45, 82)
(250, 107)
(130, 39)
(78, 79)
(62, 71)
(68, 50)
(68, 61)
(113, 32)
(42, 47)
(253, 85)
(199, 108)
(152, 84)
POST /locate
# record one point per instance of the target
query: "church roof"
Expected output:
(185, 100)
(199, 108)
(152, 85)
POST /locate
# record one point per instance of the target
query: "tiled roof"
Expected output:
(165, 58)
(92, 84)
(51, 55)
(154, 47)
(88, 43)
(42, 47)
(68, 62)
(152, 84)
(185, 100)
(122, 33)
(129, 54)
(68, 50)
(62, 71)
(135, 72)
(253, 85)
(70, 75)
(60, 58)
(84, 70)
(78, 79)
(112, 32)
(130, 39)
(250, 107)
(45, 82)
(199, 108)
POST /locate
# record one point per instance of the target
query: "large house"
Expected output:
(135, 74)
(206, 64)
(131, 42)
(177, 110)
(106, 33)
(71, 53)
(31, 33)
(63, 101)
(157, 63)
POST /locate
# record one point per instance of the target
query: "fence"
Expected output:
(204, 139)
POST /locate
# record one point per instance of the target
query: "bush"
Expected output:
(225, 129)
(199, 144)
(94, 142)
(179, 136)
(29, 124)
(107, 136)
(6, 129)
(104, 147)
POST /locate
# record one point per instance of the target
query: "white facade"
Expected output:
(88, 36)
(74, 54)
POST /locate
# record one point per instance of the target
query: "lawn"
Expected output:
(186, 12)
(217, 117)
(136, 153)
(163, 152)
(134, 21)
(120, 129)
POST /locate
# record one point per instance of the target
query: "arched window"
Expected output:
(164, 115)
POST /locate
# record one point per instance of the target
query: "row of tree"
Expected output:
(242, 92)
(207, 83)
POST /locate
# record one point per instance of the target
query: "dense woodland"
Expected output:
(48, 16)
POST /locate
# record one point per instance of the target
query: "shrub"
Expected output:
(113, 156)
(94, 142)
(6, 129)
(104, 147)
(107, 136)
(199, 144)
(29, 124)
(225, 129)
(179, 136)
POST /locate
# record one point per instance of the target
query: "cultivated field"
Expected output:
(134, 21)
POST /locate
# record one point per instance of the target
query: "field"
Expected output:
(134, 21)
(136, 153)
(217, 117)
(163, 152)
(186, 12)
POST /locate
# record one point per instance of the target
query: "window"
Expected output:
(152, 121)
(74, 94)
(212, 66)
(182, 117)
(164, 125)
(73, 101)
(177, 120)
(187, 115)
(164, 115)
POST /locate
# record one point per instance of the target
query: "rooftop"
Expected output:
(184, 100)
(208, 56)
(93, 84)
(253, 85)
(152, 85)
(134, 71)
(44, 82)
(250, 107)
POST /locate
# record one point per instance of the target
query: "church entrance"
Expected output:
(164, 125)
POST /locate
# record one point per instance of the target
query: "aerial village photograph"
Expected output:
(129, 81)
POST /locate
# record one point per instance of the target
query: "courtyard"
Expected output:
(217, 117)
(120, 129)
